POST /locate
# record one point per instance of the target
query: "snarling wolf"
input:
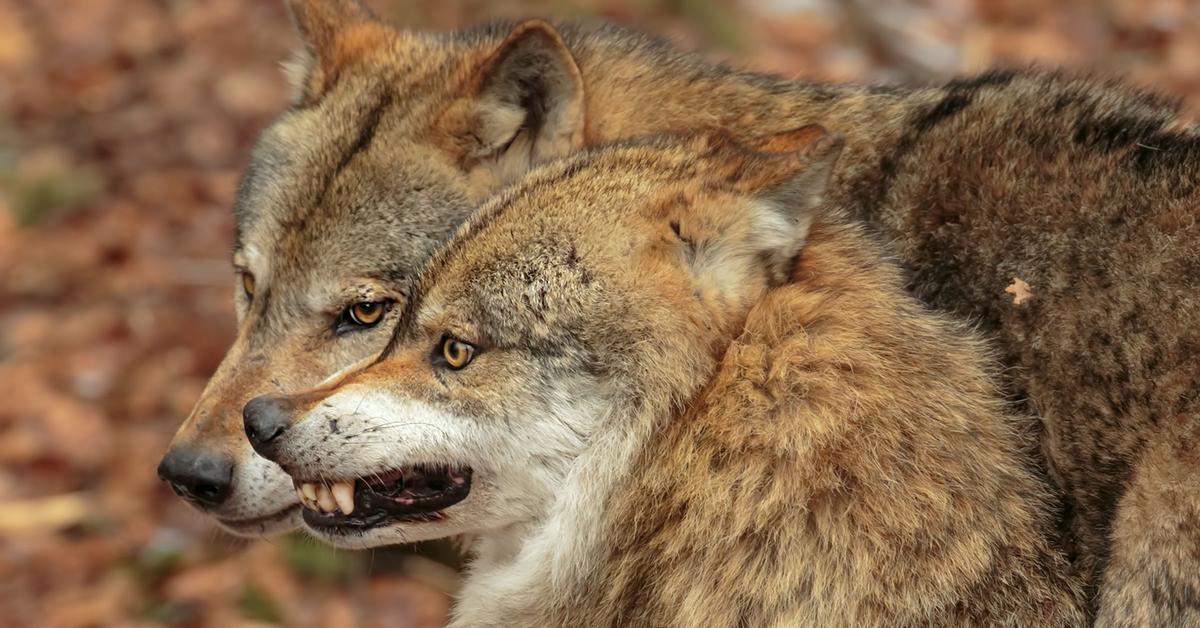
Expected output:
(1084, 191)
(617, 379)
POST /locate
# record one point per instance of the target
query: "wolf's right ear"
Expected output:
(781, 181)
(334, 32)
(525, 106)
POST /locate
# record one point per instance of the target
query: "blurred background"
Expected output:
(123, 127)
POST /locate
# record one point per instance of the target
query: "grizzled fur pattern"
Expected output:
(1090, 194)
(749, 446)
(1084, 190)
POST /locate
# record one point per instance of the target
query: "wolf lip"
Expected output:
(411, 494)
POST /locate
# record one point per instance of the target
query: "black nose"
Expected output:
(203, 478)
(265, 421)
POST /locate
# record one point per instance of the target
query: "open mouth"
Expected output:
(411, 495)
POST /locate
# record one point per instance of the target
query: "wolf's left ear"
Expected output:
(527, 104)
(333, 32)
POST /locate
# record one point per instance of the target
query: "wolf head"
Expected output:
(392, 140)
(599, 291)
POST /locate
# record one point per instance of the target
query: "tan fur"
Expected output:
(819, 452)
(1083, 189)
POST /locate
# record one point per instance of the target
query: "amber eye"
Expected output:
(248, 284)
(366, 313)
(457, 353)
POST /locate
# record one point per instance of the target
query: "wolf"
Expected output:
(1084, 191)
(618, 379)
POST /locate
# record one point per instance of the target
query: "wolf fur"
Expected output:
(672, 424)
(1084, 190)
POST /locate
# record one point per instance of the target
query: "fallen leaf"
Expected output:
(1020, 290)
(59, 511)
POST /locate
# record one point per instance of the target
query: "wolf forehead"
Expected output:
(344, 190)
(545, 262)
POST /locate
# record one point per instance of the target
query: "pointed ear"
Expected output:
(776, 193)
(790, 171)
(334, 32)
(526, 105)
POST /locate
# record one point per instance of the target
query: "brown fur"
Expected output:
(901, 525)
(1085, 190)
(823, 451)
(1093, 202)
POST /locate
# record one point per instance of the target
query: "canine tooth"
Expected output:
(343, 494)
(325, 499)
(309, 491)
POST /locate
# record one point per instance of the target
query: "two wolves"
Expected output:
(615, 380)
(1085, 191)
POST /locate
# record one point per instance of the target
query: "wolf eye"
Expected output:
(248, 284)
(455, 353)
(366, 313)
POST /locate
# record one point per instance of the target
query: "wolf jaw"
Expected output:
(410, 494)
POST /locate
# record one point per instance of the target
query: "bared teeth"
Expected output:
(308, 492)
(325, 499)
(343, 494)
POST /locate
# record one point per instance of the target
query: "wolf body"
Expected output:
(1084, 191)
(668, 422)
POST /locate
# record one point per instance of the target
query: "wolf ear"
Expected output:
(527, 105)
(777, 182)
(790, 171)
(333, 33)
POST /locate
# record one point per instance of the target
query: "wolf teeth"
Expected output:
(343, 494)
(325, 499)
(309, 495)
(335, 497)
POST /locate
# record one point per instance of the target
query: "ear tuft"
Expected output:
(319, 21)
(334, 32)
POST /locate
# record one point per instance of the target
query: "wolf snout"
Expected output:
(265, 419)
(201, 477)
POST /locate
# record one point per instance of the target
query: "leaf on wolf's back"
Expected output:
(56, 512)
(1020, 290)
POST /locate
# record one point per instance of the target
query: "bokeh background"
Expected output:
(123, 127)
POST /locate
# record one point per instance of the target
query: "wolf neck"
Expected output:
(528, 573)
(634, 88)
